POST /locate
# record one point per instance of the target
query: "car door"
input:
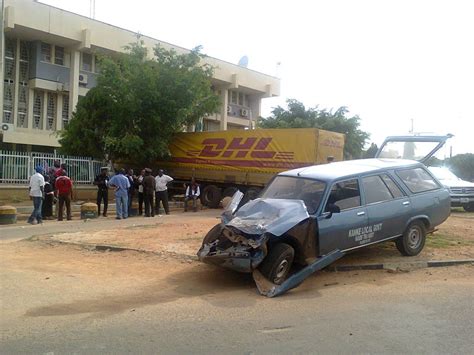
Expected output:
(388, 208)
(345, 229)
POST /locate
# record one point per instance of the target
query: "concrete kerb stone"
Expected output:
(401, 266)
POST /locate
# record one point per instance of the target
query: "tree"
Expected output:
(463, 166)
(297, 116)
(139, 103)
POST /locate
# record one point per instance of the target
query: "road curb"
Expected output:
(401, 266)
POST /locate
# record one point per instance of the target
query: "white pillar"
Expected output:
(74, 81)
(255, 109)
(29, 112)
(224, 103)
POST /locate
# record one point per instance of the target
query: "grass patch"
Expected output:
(443, 241)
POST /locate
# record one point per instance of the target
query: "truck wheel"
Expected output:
(277, 264)
(211, 196)
(229, 191)
(469, 207)
(413, 240)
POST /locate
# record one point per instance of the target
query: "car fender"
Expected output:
(424, 218)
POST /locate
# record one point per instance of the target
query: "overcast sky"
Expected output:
(387, 61)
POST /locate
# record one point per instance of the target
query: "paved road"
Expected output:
(60, 299)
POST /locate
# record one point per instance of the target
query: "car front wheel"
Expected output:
(277, 264)
(413, 240)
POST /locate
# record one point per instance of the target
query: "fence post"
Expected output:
(91, 171)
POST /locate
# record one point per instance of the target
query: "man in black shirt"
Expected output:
(102, 181)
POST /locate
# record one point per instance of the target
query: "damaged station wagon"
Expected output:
(314, 215)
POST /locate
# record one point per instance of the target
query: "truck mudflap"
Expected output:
(269, 289)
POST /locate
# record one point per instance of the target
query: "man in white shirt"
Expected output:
(36, 194)
(162, 191)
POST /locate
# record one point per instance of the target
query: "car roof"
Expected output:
(337, 170)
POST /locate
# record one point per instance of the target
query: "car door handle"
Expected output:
(406, 203)
(361, 213)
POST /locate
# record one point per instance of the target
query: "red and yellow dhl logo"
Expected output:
(333, 143)
(252, 147)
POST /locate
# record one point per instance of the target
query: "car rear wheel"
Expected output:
(277, 264)
(413, 240)
(469, 207)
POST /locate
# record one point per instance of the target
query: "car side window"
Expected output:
(344, 194)
(417, 180)
(392, 186)
(375, 189)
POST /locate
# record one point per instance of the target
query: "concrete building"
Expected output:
(49, 62)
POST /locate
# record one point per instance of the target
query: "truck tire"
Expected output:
(211, 196)
(277, 264)
(413, 240)
(469, 207)
(229, 191)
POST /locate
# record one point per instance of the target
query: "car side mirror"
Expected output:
(332, 208)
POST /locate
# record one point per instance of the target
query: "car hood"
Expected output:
(456, 183)
(275, 216)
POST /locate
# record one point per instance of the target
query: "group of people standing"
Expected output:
(48, 187)
(152, 191)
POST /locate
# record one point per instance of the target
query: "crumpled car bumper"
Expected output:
(233, 250)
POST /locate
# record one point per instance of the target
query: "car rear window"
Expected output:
(375, 190)
(417, 180)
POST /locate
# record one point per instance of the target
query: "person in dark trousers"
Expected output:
(192, 193)
(149, 186)
(47, 208)
(162, 191)
(64, 190)
(36, 190)
(140, 192)
(102, 183)
(131, 190)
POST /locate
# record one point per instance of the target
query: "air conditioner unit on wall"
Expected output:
(83, 79)
(244, 112)
(229, 109)
(7, 127)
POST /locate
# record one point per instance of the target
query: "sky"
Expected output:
(389, 62)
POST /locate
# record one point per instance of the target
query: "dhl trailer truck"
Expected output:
(224, 161)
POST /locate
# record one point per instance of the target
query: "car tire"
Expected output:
(413, 240)
(277, 264)
(213, 234)
(469, 207)
(211, 196)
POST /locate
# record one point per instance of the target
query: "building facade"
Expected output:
(49, 62)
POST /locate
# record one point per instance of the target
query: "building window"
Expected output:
(86, 61)
(65, 111)
(22, 106)
(51, 112)
(23, 85)
(38, 109)
(45, 52)
(58, 55)
(8, 80)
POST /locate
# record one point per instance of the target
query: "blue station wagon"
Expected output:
(312, 216)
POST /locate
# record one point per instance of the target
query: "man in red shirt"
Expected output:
(63, 186)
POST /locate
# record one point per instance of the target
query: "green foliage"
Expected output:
(139, 103)
(297, 116)
(463, 166)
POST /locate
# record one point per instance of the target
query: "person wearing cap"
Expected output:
(36, 194)
(102, 182)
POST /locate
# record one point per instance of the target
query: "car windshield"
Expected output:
(443, 173)
(295, 188)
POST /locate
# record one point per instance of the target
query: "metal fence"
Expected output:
(17, 167)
